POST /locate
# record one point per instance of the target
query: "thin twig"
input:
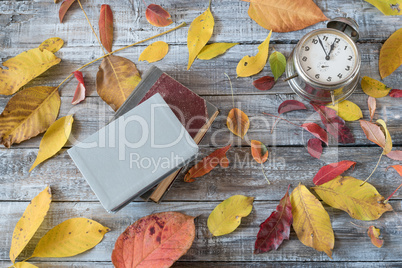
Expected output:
(389, 197)
(273, 127)
(281, 118)
(373, 171)
(263, 172)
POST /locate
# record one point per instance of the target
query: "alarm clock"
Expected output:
(324, 66)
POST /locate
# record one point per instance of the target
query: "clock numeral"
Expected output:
(325, 38)
(317, 76)
(347, 68)
(308, 68)
(350, 58)
(329, 78)
(346, 47)
(337, 40)
(304, 58)
(307, 48)
(315, 41)
(340, 76)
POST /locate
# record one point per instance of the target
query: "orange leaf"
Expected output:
(259, 151)
(208, 163)
(391, 54)
(238, 122)
(374, 234)
(106, 27)
(157, 16)
(64, 8)
(373, 133)
(285, 15)
(157, 240)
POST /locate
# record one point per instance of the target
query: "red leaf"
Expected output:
(79, 94)
(373, 133)
(314, 148)
(374, 234)
(264, 83)
(317, 131)
(276, 228)
(395, 155)
(398, 168)
(335, 125)
(396, 93)
(157, 16)
(157, 240)
(208, 163)
(372, 105)
(106, 27)
(331, 171)
(64, 8)
(291, 105)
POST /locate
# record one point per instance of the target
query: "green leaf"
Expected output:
(277, 61)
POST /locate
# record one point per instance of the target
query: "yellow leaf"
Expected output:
(388, 139)
(24, 264)
(374, 88)
(238, 122)
(154, 52)
(30, 221)
(213, 50)
(361, 202)
(29, 113)
(388, 7)
(52, 44)
(70, 238)
(54, 139)
(199, 33)
(248, 66)
(391, 54)
(116, 79)
(374, 234)
(311, 221)
(25, 67)
(226, 217)
(347, 110)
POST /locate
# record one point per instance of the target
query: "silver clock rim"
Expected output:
(326, 86)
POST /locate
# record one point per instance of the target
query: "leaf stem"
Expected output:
(117, 50)
(263, 172)
(389, 197)
(372, 171)
(273, 127)
(281, 119)
(231, 88)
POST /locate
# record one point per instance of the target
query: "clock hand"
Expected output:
(332, 48)
(322, 45)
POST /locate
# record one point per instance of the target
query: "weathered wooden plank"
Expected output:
(232, 21)
(204, 77)
(285, 166)
(352, 242)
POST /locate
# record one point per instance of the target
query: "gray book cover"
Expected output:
(133, 153)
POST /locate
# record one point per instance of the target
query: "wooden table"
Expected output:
(25, 24)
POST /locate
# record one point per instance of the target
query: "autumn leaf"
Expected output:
(396, 93)
(52, 44)
(398, 168)
(391, 54)
(249, 66)
(335, 125)
(374, 234)
(347, 110)
(331, 171)
(317, 131)
(290, 105)
(79, 94)
(157, 16)
(395, 155)
(24, 67)
(310, 221)
(208, 163)
(388, 139)
(54, 139)
(314, 148)
(106, 27)
(264, 83)
(278, 64)
(387, 7)
(374, 88)
(372, 105)
(30, 221)
(157, 240)
(64, 8)
(260, 154)
(199, 33)
(360, 201)
(213, 50)
(374, 133)
(24, 264)
(276, 228)
(238, 122)
(226, 217)
(154, 52)
(285, 15)
(28, 113)
(116, 79)
(70, 238)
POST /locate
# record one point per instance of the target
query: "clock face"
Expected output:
(327, 57)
